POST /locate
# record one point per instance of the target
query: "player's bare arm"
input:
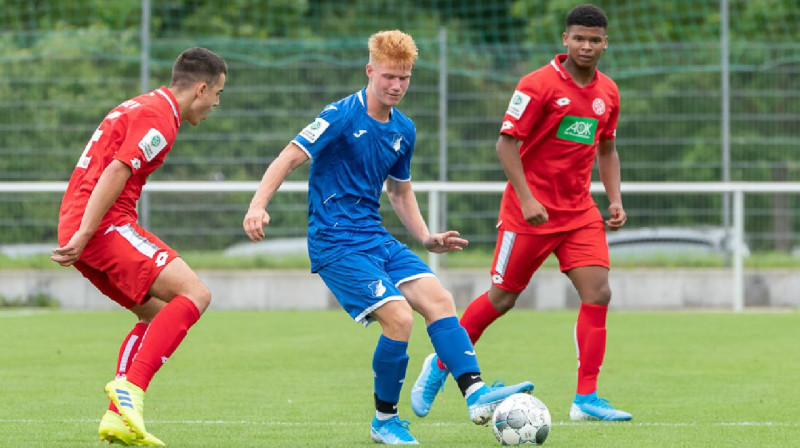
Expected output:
(508, 152)
(405, 205)
(608, 163)
(257, 217)
(108, 188)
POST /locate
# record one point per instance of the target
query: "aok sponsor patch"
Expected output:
(152, 143)
(577, 129)
(314, 130)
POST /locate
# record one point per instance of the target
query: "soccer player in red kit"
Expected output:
(99, 235)
(559, 119)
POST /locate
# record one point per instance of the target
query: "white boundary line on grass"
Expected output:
(279, 423)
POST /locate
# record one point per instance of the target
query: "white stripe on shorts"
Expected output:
(138, 242)
(505, 252)
(414, 277)
(365, 319)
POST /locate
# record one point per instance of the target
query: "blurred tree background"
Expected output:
(63, 65)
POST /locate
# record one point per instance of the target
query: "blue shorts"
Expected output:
(363, 281)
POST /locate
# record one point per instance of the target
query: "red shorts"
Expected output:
(518, 255)
(123, 262)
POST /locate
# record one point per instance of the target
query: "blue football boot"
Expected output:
(430, 381)
(483, 401)
(391, 432)
(592, 407)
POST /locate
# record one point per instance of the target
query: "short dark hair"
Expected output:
(197, 64)
(587, 15)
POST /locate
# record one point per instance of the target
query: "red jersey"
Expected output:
(139, 133)
(559, 124)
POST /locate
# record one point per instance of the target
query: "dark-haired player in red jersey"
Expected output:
(559, 119)
(99, 235)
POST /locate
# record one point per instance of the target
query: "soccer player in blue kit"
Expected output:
(356, 145)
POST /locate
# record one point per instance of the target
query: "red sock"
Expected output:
(130, 345)
(165, 333)
(480, 313)
(590, 341)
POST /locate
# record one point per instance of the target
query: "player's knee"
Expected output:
(601, 296)
(503, 300)
(398, 324)
(200, 296)
(404, 322)
(605, 294)
(443, 299)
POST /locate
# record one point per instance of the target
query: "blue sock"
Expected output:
(452, 344)
(389, 366)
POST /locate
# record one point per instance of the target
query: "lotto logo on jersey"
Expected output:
(577, 129)
(519, 101)
(152, 143)
(314, 130)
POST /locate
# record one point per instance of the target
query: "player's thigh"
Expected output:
(360, 283)
(428, 297)
(517, 256)
(584, 246)
(583, 256)
(591, 282)
(178, 279)
(101, 281)
(417, 282)
(131, 258)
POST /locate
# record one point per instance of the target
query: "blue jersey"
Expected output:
(351, 155)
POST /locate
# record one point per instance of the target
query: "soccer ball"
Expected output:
(521, 419)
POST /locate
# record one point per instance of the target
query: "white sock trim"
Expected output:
(474, 388)
(384, 416)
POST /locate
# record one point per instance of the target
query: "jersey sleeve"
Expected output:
(610, 130)
(524, 109)
(401, 170)
(146, 142)
(315, 137)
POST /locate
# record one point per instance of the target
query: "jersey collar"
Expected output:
(362, 98)
(556, 63)
(167, 95)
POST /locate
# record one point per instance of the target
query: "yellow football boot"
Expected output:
(114, 430)
(129, 400)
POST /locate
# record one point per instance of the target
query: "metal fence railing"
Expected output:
(431, 194)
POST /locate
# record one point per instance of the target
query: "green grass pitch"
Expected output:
(286, 379)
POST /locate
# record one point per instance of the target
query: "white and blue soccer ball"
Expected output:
(521, 419)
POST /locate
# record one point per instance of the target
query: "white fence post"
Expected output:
(738, 251)
(433, 225)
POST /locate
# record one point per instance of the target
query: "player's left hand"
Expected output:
(617, 216)
(440, 243)
(254, 222)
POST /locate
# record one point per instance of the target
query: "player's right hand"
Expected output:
(254, 222)
(71, 252)
(534, 212)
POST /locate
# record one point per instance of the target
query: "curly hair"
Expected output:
(587, 15)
